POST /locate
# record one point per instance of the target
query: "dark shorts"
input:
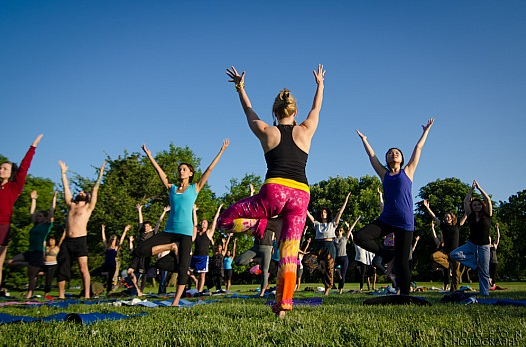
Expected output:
(71, 248)
(228, 274)
(4, 234)
(199, 263)
(34, 258)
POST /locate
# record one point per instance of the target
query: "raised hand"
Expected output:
(138, 207)
(167, 208)
(226, 143)
(426, 203)
(37, 140)
(234, 75)
(127, 228)
(34, 194)
(362, 136)
(146, 150)
(430, 122)
(63, 167)
(319, 75)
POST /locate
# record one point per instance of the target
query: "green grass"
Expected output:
(342, 320)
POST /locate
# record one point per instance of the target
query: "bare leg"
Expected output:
(178, 294)
(201, 281)
(3, 252)
(133, 278)
(86, 278)
(62, 289)
(166, 248)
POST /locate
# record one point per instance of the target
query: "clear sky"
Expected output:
(101, 77)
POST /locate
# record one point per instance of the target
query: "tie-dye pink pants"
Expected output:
(288, 200)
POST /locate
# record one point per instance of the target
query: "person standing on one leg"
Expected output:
(475, 254)
(12, 180)
(75, 245)
(179, 231)
(285, 192)
(450, 228)
(397, 215)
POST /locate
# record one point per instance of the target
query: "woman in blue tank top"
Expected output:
(179, 231)
(397, 214)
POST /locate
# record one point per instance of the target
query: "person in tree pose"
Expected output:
(75, 245)
(179, 230)
(200, 258)
(111, 250)
(450, 228)
(475, 253)
(397, 215)
(12, 180)
(34, 257)
(285, 192)
(325, 234)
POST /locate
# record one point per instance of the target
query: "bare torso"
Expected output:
(78, 217)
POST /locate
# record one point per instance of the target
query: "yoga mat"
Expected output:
(397, 300)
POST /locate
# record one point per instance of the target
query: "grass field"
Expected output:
(342, 320)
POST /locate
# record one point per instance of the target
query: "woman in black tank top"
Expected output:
(285, 192)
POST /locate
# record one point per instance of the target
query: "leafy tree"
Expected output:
(513, 217)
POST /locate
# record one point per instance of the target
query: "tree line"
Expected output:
(130, 179)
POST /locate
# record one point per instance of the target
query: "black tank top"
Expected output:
(202, 244)
(286, 160)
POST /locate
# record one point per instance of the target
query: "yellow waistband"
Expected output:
(288, 183)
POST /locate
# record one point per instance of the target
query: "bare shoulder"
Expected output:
(302, 136)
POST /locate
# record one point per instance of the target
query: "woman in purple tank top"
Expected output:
(397, 215)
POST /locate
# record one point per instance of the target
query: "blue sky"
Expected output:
(101, 77)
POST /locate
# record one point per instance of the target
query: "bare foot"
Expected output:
(281, 314)
(327, 291)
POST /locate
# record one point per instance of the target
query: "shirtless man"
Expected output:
(75, 244)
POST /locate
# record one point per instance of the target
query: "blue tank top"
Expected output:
(180, 220)
(227, 263)
(398, 202)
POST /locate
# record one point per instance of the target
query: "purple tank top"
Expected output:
(398, 202)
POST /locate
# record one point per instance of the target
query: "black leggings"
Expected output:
(50, 275)
(367, 239)
(343, 261)
(184, 243)
(361, 268)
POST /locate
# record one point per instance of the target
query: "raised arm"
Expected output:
(375, 162)
(304, 250)
(95, 191)
(160, 171)
(489, 205)
(311, 122)
(435, 237)
(311, 218)
(496, 244)
(103, 232)
(68, 197)
(467, 201)
(34, 197)
(130, 243)
(234, 249)
(139, 211)
(415, 157)
(123, 236)
(252, 190)
(416, 242)
(161, 217)
(431, 213)
(349, 233)
(225, 244)
(202, 181)
(336, 219)
(257, 126)
(211, 230)
(61, 239)
(51, 213)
